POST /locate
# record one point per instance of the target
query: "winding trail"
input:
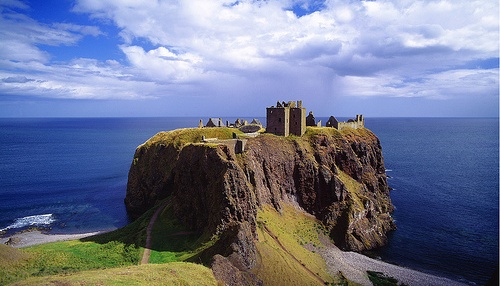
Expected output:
(275, 238)
(147, 249)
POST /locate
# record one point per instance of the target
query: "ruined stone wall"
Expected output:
(297, 121)
(277, 121)
(353, 125)
(359, 122)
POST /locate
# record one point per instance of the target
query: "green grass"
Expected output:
(180, 137)
(179, 273)
(118, 248)
(68, 257)
(172, 241)
(293, 229)
(380, 279)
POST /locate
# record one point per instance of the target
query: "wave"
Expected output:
(33, 220)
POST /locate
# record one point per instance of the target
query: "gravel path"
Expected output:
(354, 266)
(149, 240)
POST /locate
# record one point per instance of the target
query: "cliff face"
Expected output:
(339, 177)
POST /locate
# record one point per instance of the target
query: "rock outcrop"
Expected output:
(337, 176)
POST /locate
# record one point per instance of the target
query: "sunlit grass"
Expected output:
(118, 248)
(294, 229)
(179, 273)
(180, 137)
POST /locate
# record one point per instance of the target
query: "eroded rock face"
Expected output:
(337, 176)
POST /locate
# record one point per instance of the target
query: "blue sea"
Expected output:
(70, 174)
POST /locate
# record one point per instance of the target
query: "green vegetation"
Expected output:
(315, 131)
(67, 257)
(363, 132)
(178, 273)
(283, 257)
(180, 137)
(174, 242)
(110, 252)
(113, 249)
(9, 256)
(380, 279)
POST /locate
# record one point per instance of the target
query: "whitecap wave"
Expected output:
(33, 220)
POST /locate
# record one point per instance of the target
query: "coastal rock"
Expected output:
(337, 176)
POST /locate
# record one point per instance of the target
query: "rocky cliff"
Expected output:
(337, 176)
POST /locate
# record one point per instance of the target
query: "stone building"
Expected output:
(215, 122)
(359, 122)
(286, 118)
(311, 120)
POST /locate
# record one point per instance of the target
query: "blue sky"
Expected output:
(234, 58)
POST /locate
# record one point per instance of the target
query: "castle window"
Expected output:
(279, 120)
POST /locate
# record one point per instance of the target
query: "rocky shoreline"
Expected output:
(35, 237)
(354, 266)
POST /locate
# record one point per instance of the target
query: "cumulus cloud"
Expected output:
(253, 34)
(333, 47)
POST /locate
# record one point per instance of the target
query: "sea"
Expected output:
(69, 175)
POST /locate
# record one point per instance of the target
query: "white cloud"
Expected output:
(439, 86)
(354, 48)
(162, 65)
(21, 35)
(250, 33)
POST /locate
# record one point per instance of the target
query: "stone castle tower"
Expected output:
(286, 118)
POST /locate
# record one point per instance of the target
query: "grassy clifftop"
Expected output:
(180, 137)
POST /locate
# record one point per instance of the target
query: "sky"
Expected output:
(127, 58)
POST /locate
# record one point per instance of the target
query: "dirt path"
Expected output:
(275, 238)
(149, 230)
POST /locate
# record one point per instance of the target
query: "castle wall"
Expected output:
(359, 122)
(278, 120)
(297, 121)
(333, 122)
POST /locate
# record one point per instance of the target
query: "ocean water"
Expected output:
(444, 173)
(70, 175)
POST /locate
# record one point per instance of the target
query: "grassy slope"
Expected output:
(109, 251)
(294, 229)
(177, 273)
(74, 259)
(173, 242)
(114, 249)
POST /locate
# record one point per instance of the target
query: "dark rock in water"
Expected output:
(337, 176)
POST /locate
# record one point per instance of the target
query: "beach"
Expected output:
(354, 267)
(35, 237)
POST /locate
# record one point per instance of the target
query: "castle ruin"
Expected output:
(286, 119)
(359, 122)
(290, 119)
